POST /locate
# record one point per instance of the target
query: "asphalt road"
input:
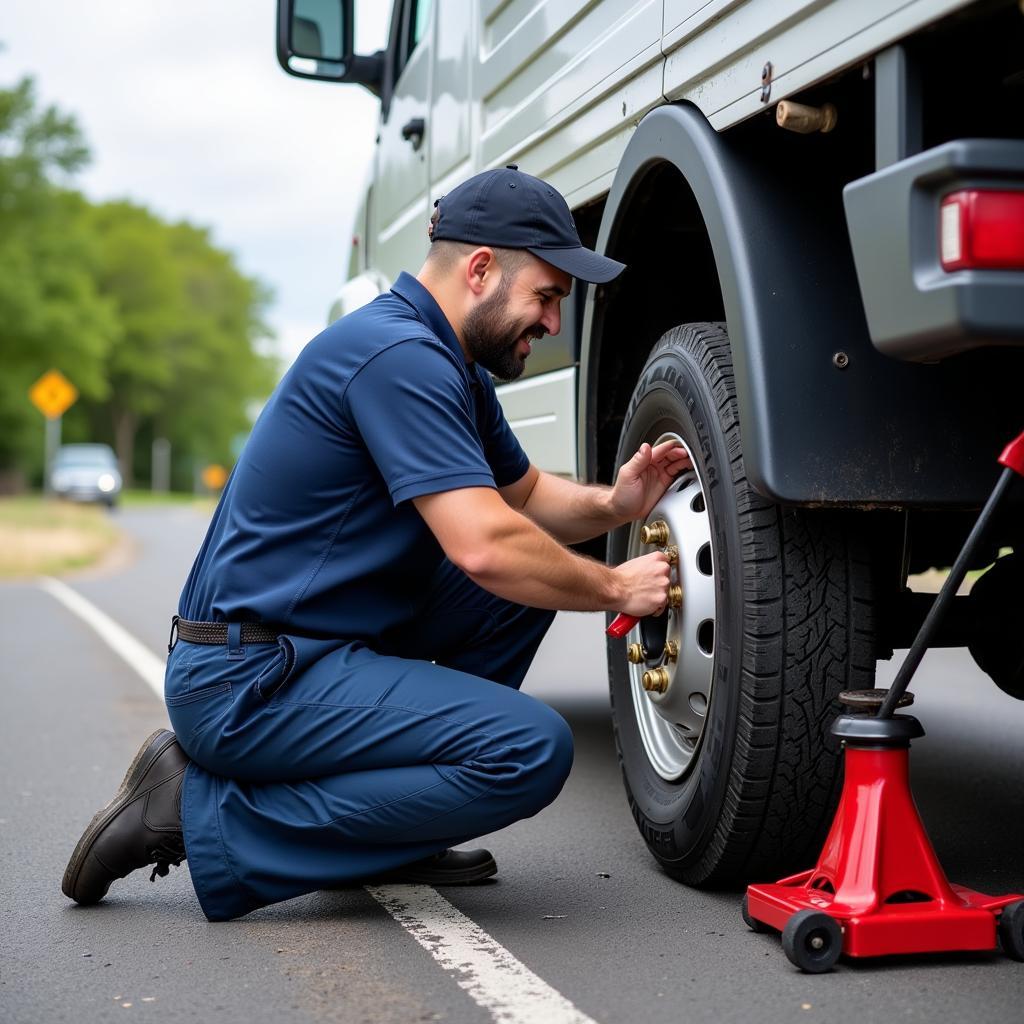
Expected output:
(629, 947)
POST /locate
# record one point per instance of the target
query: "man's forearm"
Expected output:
(527, 566)
(570, 511)
(507, 554)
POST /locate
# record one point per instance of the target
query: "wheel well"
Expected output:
(748, 226)
(670, 279)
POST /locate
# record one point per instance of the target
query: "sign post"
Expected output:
(53, 394)
(53, 425)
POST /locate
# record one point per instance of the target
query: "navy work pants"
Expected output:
(317, 763)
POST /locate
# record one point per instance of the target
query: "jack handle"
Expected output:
(1012, 458)
(622, 624)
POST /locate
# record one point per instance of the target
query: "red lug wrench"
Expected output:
(621, 625)
(878, 887)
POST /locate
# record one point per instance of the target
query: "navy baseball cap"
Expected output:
(513, 210)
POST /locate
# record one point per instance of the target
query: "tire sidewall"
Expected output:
(673, 395)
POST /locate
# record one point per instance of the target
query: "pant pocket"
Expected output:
(193, 711)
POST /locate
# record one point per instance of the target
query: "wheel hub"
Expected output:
(672, 654)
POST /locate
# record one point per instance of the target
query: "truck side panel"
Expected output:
(716, 52)
(561, 86)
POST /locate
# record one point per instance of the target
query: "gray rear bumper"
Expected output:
(915, 310)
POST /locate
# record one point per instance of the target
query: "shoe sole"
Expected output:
(466, 876)
(143, 761)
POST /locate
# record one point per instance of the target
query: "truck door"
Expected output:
(450, 107)
(400, 193)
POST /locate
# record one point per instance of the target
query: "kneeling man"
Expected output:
(383, 563)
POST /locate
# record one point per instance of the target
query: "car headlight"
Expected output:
(106, 483)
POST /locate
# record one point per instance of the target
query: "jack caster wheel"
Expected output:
(752, 922)
(812, 941)
(1011, 930)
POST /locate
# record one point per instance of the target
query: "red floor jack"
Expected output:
(878, 887)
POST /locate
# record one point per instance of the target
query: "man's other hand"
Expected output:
(644, 479)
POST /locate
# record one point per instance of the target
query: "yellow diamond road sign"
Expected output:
(53, 394)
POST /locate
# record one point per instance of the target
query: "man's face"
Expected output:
(524, 305)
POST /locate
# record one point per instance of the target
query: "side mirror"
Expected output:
(314, 40)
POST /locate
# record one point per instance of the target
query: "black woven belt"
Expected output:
(217, 632)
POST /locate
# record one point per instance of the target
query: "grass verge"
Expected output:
(38, 535)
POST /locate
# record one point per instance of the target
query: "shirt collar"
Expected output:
(427, 309)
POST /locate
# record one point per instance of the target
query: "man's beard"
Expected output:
(491, 339)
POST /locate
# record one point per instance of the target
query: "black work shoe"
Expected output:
(140, 826)
(451, 867)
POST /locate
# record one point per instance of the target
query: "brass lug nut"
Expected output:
(635, 653)
(656, 533)
(675, 596)
(656, 679)
(673, 554)
(671, 650)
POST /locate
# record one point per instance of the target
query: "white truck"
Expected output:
(821, 206)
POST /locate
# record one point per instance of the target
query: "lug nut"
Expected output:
(635, 653)
(673, 554)
(675, 595)
(656, 679)
(671, 650)
(656, 533)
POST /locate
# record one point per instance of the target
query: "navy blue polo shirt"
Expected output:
(315, 532)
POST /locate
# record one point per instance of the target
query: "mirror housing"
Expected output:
(314, 40)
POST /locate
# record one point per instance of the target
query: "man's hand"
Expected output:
(644, 479)
(645, 581)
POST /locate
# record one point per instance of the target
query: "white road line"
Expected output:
(485, 969)
(492, 977)
(136, 654)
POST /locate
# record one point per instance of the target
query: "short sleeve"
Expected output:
(411, 406)
(504, 453)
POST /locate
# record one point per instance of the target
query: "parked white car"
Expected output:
(86, 472)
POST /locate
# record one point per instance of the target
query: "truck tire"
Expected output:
(731, 771)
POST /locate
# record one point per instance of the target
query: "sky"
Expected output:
(186, 110)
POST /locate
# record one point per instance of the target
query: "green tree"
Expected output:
(188, 359)
(51, 312)
(156, 326)
(224, 365)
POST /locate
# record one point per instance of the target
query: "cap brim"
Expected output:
(581, 263)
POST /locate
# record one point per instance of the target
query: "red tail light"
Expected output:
(982, 230)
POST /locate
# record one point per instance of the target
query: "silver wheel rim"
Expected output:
(672, 723)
